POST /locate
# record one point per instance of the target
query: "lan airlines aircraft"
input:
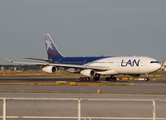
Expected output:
(94, 66)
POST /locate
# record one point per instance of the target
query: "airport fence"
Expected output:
(79, 108)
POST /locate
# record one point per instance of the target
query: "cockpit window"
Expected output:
(154, 62)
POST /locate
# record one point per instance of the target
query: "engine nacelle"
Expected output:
(49, 69)
(88, 72)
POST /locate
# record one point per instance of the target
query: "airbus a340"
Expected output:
(94, 66)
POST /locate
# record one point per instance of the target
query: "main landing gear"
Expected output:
(84, 78)
(97, 77)
(112, 78)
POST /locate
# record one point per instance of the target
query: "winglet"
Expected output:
(8, 60)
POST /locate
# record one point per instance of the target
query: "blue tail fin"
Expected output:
(51, 48)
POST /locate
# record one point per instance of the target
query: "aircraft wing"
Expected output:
(30, 63)
(100, 68)
(46, 60)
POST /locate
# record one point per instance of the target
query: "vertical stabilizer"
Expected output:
(51, 48)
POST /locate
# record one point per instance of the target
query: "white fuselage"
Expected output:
(126, 65)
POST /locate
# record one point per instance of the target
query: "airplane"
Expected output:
(94, 66)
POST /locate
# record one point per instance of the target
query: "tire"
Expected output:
(84, 78)
(114, 79)
(107, 79)
(81, 79)
(88, 78)
(147, 79)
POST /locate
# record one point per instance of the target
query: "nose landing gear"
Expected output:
(147, 77)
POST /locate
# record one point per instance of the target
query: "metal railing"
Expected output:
(79, 108)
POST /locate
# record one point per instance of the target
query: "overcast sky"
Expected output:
(83, 27)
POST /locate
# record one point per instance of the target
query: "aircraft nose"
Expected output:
(155, 67)
(158, 66)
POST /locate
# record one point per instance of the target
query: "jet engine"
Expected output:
(49, 69)
(88, 72)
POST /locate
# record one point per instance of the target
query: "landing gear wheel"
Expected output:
(114, 79)
(81, 79)
(88, 78)
(84, 78)
(96, 77)
(147, 79)
(107, 79)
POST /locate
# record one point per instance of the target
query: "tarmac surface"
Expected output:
(65, 78)
(64, 108)
(152, 89)
(138, 87)
(139, 90)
